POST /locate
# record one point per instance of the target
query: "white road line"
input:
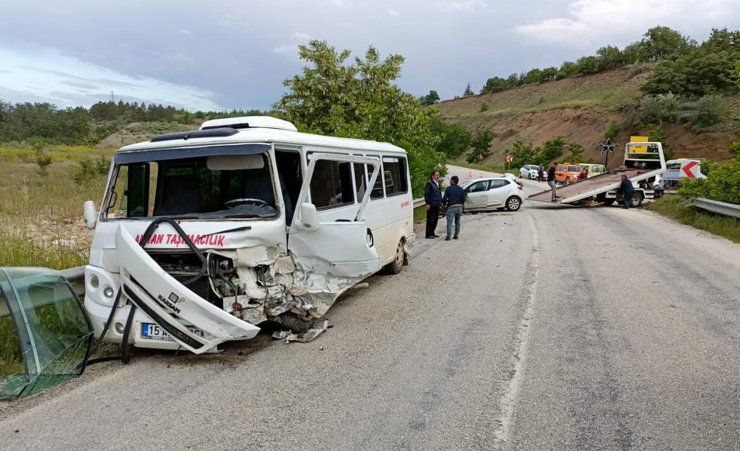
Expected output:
(508, 400)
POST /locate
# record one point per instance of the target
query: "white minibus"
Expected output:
(203, 235)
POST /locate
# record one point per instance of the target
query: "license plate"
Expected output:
(151, 331)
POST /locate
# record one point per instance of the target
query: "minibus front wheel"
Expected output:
(396, 265)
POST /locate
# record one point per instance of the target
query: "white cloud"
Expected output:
(464, 6)
(292, 49)
(301, 37)
(46, 74)
(394, 13)
(339, 3)
(590, 20)
(186, 33)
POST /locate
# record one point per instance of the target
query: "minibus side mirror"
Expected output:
(309, 216)
(91, 215)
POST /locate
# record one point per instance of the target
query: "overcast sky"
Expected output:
(224, 54)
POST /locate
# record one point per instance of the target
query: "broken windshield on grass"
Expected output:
(45, 334)
(200, 186)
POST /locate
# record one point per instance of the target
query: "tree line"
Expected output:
(682, 66)
(79, 125)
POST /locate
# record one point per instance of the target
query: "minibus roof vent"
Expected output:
(249, 122)
(215, 133)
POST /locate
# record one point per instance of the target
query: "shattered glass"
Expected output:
(45, 335)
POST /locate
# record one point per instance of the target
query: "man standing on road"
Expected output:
(551, 181)
(540, 173)
(453, 201)
(627, 191)
(433, 200)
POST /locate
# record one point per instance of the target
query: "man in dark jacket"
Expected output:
(551, 181)
(453, 201)
(433, 200)
(627, 191)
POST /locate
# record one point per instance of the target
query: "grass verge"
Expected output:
(723, 226)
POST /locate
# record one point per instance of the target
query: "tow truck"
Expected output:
(643, 164)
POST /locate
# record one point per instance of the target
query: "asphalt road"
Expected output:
(549, 328)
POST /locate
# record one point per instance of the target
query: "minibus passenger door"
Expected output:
(340, 248)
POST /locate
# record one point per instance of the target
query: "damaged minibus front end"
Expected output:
(197, 243)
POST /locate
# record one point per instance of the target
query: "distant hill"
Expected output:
(579, 109)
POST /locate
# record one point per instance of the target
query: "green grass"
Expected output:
(724, 226)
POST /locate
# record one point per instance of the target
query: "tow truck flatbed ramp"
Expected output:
(589, 187)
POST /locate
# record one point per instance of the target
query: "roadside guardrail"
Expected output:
(418, 202)
(722, 208)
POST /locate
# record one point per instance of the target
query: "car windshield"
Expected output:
(212, 187)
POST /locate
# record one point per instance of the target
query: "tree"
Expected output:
(609, 57)
(575, 152)
(663, 42)
(494, 84)
(480, 144)
(359, 100)
(468, 92)
(430, 99)
(454, 139)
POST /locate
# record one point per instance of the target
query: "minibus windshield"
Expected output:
(202, 187)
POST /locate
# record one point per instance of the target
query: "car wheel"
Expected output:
(513, 203)
(295, 323)
(396, 265)
(635, 200)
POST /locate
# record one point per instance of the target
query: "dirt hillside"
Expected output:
(579, 110)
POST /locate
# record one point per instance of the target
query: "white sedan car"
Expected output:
(529, 171)
(493, 192)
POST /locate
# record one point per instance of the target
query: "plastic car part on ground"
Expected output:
(45, 335)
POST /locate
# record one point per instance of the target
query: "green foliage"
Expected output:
(88, 170)
(43, 160)
(735, 148)
(468, 92)
(480, 145)
(454, 139)
(522, 153)
(575, 152)
(549, 151)
(484, 107)
(661, 108)
(709, 111)
(430, 99)
(612, 130)
(719, 225)
(359, 100)
(587, 65)
(662, 42)
(526, 153)
(609, 57)
(722, 183)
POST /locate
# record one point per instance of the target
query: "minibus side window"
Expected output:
(377, 192)
(331, 184)
(360, 180)
(394, 170)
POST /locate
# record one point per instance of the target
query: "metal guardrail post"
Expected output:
(722, 208)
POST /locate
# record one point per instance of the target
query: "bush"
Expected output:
(722, 183)
(661, 108)
(43, 160)
(88, 170)
(709, 111)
